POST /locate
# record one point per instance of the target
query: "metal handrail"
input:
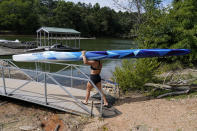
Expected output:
(10, 61)
(86, 109)
(56, 71)
(50, 75)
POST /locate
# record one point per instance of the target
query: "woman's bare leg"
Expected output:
(88, 89)
(104, 98)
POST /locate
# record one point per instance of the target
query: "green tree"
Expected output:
(18, 16)
(171, 28)
(63, 15)
(184, 15)
(25, 16)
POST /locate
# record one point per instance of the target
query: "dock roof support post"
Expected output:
(75, 42)
(48, 40)
(40, 38)
(70, 40)
(61, 40)
(56, 38)
(44, 39)
(66, 39)
(37, 39)
(51, 39)
(79, 42)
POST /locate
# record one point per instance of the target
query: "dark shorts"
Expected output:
(95, 78)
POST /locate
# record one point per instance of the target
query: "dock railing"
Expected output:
(36, 75)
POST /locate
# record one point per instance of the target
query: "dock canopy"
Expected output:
(58, 30)
(48, 36)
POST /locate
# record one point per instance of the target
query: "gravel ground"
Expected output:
(139, 114)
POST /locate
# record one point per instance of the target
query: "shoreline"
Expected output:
(34, 36)
(8, 51)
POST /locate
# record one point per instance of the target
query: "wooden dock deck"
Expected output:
(57, 98)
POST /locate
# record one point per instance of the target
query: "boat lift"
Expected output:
(48, 36)
(44, 88)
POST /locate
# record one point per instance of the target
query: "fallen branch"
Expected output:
(177, 84)
(190, 80)
(183, 82)
(173, 93)
(193, 87)
(169, 87)
(181, 88)
(161, 86)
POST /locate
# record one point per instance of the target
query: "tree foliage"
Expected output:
(25, 16)
(171, 28)
(174, 27)
(18, 15)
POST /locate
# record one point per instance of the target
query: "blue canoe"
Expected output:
(97, 55)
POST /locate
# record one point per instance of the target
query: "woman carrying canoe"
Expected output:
(96, 67)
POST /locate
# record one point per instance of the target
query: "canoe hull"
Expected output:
(98, 55)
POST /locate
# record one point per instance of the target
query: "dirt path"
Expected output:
(150, 115)
(136, 114)
(15, 114)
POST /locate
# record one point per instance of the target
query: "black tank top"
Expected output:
(96, 68)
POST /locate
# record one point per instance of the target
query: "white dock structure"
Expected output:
(51, 94)
(47, 36)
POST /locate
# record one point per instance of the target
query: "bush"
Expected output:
(132, 75)
(166, 67)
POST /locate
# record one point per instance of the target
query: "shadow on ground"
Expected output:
(112, 111)
(132, 99)
(108, 112)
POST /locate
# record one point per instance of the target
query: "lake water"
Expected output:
(99, 44)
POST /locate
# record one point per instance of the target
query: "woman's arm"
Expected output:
(85, 61)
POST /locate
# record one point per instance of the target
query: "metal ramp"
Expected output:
(54, 94)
